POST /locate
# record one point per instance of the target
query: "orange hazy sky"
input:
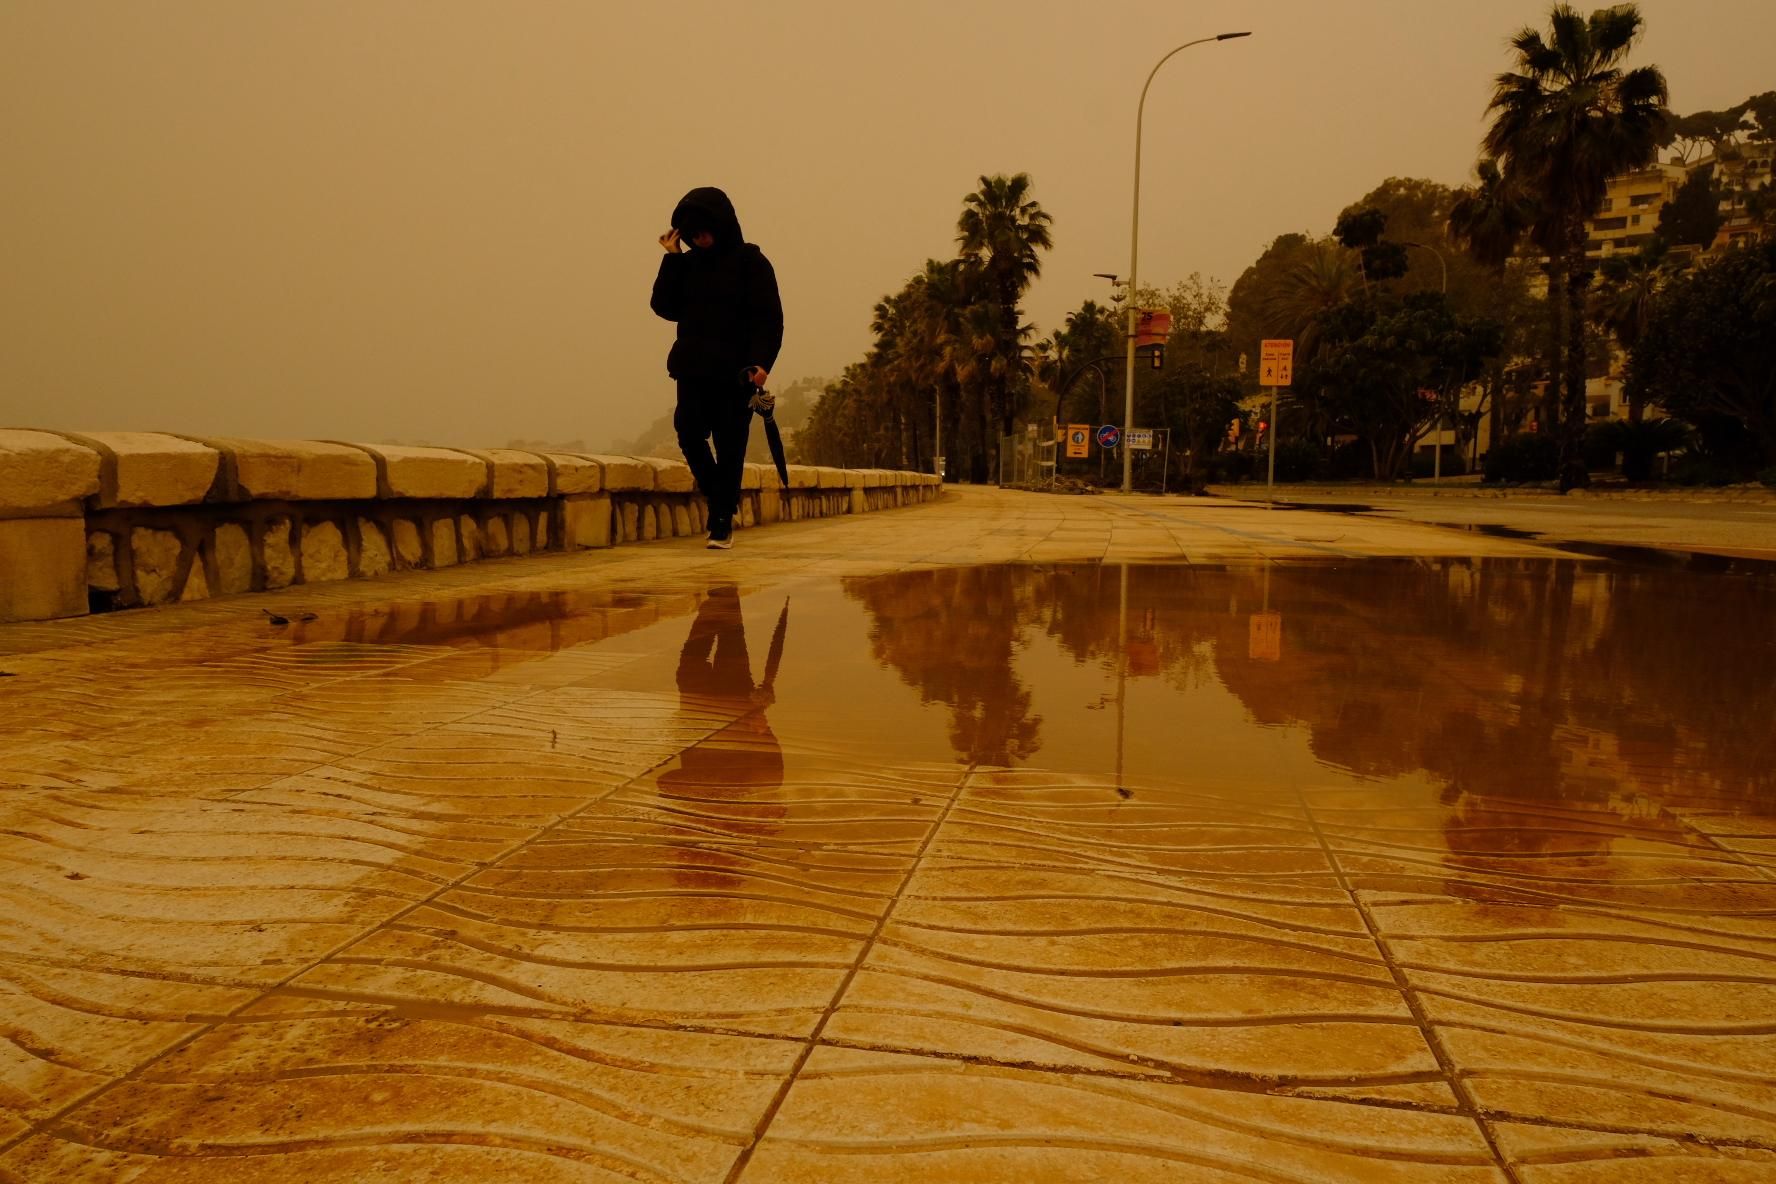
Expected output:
(435, 219)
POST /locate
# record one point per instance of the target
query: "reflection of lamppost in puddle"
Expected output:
(1122, 664)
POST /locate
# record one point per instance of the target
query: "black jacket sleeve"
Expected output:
(764, 313)
(668, 299)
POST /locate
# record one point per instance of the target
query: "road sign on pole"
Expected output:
(1276, 368)
(1109, 435)
(1276, 362)
(1140, 439)
(1078, 440)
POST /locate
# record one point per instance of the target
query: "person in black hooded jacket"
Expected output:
(722, 293)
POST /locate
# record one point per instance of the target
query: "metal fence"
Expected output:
(1027, 459)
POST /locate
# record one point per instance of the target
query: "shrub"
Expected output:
(1702, 470)
(1530, 457)
(1297, 460)
(1641, 443)
(1351, 461)
(1454, 463)
(1230, 468)
(1768, 476)
(1602, 442)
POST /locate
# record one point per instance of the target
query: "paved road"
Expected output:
(1007, 838)
(1726, 528)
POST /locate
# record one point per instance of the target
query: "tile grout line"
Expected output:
(1468, 1107)
(812, 1042)
(475, 868)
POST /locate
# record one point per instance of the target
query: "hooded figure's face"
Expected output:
(705, 218)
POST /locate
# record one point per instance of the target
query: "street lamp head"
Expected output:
(1231, 36)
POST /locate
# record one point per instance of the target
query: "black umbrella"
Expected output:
(765, 403)
(775, 658)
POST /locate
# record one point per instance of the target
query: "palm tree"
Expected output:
(1623, 303)
(1567, 119)
(1002, 231)
(1324, 276)
(1490, 218)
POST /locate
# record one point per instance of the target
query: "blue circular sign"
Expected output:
(1109, 436)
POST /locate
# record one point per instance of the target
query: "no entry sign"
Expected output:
(1109, 436)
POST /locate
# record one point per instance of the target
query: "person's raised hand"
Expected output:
(671, 241)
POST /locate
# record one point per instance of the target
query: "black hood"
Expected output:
(709, 209)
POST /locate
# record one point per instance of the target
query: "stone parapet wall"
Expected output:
(127, 519)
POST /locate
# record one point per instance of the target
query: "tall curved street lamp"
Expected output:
(1128, 402)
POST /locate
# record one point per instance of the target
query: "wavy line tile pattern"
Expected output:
(409, 895)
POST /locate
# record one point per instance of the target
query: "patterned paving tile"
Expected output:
(854, 1115)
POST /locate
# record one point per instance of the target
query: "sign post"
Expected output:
(1276, 368)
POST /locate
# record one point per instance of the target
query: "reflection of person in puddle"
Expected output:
(742, 760)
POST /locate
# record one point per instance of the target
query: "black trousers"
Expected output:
(718, 411)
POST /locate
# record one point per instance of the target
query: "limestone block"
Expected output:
(829, 478)
(631, 515)
(497, 541)
(683, 526)
(576, 474)
(197, 585)
(275, 556)
(101, 562)
(872, 478)
(625, 474)
(650, 524)
(515, 473)
(373, 550)
(770, 506)
(854, 479)
(444, 542)
(323, 554)
(586, 522)
(39, 470)
(672, 476)
(428, 472)
(748, 516)
(540, 536)
(299, 470)
(152, 469)
(469, 532)
(753, 476)
(409, 547)
(234, 559)
(521, 535)
(42, 566)
(804, 477)
(156, 554)
(859, 501)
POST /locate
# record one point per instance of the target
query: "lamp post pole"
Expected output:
(1128, 402)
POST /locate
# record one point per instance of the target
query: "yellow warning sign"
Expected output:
(1276, 362)
(1079, 439)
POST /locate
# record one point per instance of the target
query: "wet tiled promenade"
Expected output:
(1011, 838)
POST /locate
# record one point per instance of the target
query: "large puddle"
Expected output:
(1522, 679)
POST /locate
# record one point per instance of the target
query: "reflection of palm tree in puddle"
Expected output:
(729, 784)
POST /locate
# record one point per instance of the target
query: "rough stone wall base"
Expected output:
(42, 568)
(125, 520)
